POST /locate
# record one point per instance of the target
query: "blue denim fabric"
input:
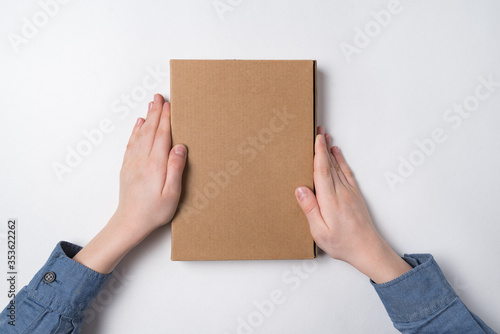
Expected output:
(422, 301)
(55, 307)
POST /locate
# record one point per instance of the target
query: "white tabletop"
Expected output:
(386, 81)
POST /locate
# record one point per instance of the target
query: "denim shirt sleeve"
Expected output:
(422, 301)
(58, 306)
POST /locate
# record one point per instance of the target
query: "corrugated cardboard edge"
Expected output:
(315, 92)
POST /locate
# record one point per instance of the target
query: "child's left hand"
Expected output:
(150, 187)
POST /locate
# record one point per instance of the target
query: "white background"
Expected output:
(376, 103)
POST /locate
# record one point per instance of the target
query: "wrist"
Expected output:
(381, 263)
(109, 246)
(129, 231)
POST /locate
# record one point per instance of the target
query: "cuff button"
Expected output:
(49, 277)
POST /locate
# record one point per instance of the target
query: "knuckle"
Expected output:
(155, 165)
(177, 163)
(309, 207)
(161, 132)
(349, 172)
(323, 170)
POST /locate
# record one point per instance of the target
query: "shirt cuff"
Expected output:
(418, 293)
(65, 285)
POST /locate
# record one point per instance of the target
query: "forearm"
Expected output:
(110, 245)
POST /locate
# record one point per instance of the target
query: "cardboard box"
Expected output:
(249, 127)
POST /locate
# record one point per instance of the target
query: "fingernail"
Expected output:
(321, 138)
(301, 193)
(336, 149)
(180, 150)
(157, 97)
(139, 120)
(150, 106)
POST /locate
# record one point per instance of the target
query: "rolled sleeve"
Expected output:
(422, 301)
(417, 293)
(75, 286)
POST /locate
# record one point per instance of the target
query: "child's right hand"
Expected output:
(339, 219)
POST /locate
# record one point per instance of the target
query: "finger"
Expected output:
(323, 180)
(344, 166)
(133, 137)
(148, 131)
(309, 204)
(334, 166)
(150, 107)
(328, 138)
(162, 142)
(175, 168)
(338, 176)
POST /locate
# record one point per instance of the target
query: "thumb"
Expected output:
(175, 168)
(309, 204)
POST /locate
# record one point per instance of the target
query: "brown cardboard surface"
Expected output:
(249, 127)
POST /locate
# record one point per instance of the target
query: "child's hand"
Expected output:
(339, 219)
(150, 186)
(151, 175)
